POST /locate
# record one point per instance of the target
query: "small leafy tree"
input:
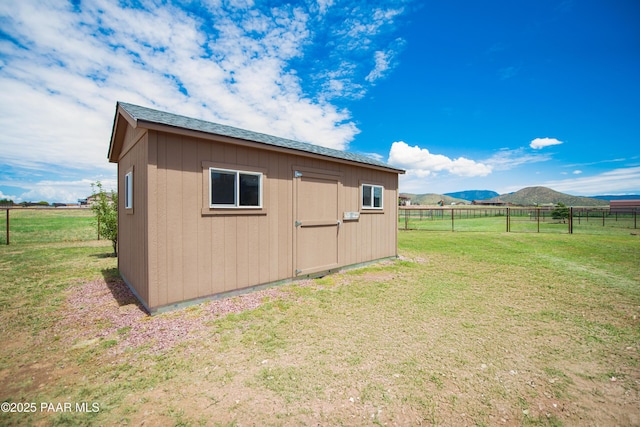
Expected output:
(105, 206)
(561, 212)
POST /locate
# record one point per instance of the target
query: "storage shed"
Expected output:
(208, 210)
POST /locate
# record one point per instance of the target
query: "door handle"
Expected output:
(318, 223)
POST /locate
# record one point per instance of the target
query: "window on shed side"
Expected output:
(235, 189)
(372, 196)
(223, 186)
(128, 190)
(249, 189)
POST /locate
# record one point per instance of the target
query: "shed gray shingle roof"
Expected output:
(160, 117)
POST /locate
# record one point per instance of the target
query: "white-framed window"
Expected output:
(372, 196)
(128, 190)
(235, 189)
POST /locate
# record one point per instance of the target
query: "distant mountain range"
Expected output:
(529, 196)
(532, 196)
(432, 199)
(617, 197)
(472, 195)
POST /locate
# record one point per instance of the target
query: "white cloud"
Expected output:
(9, 197)
(323, 5)
(539, 143)
(63, 66)
(506, 159)
(422, 163)
(616, 181)
(382, 64)
(599, 162)
(359, 46)
(65, 191)
(424, 170)
(362, 25)
(577, 172)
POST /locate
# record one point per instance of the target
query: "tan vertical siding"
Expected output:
(205, 234)
(174, 226)
(151, 219)
(161, 217)
(271, 264)
(132, 136)
(348, 228)
(196, 255)
(265, 257)
(228, 155)
(188, 202)
(284, 215)
(242, 235)
(217, 256)
(132, 257)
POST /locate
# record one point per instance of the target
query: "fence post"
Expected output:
(7, 226)
(538, 214)
(508, 221)
(452, 214)
(570, 219)
(406, 220)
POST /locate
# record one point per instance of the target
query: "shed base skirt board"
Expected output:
(230, 294)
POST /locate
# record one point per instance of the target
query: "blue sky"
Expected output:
(494, 95)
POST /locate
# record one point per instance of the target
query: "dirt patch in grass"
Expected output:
(106, 312)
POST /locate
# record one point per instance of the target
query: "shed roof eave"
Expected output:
(153, 119)
(121, 120)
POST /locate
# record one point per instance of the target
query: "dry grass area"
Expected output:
(473, 329)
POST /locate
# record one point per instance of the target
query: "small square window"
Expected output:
(372, 196)
(235, 189)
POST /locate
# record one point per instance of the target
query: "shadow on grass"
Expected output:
(104, 255)
(119, 289)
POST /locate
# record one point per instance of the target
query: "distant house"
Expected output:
(208, 210)
(404, 200)
(624, 206)
(93, 198)
(490, 203)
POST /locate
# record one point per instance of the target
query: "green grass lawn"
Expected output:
(48, 225)
(477, 328)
